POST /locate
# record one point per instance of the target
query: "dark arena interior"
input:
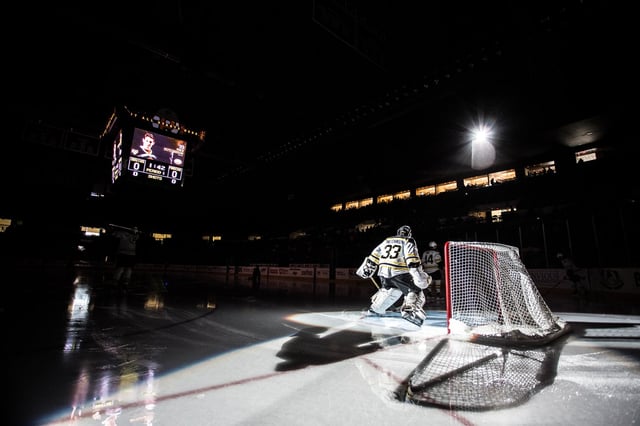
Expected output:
(289, 139)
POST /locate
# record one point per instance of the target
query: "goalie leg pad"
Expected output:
(412, 308)
(384, 299)
(413, 300)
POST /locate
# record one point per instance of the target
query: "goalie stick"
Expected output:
(113, 225)
(375, 283)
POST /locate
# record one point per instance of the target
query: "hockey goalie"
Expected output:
(397, 263)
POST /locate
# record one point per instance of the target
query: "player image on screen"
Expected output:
(154, 146)
(145, 149)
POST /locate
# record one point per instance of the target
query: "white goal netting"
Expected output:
(492, 298)
(471, 376)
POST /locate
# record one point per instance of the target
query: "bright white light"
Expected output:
(480, 135)
(483, 154)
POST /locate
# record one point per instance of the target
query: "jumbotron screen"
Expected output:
(149, 156)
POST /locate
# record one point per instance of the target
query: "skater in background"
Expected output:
(572, 273)
(397, 262)
(126, 254)
(432, 265)
(255, 278)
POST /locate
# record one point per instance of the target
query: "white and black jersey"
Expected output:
(395, 255)
(431, 260)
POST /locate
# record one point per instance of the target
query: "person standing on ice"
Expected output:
(432, 265)
(126, 254)
(399, 268)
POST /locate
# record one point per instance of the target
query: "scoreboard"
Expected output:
(149, 149)
(155, 170)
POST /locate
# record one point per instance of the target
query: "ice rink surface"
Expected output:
(200, 351)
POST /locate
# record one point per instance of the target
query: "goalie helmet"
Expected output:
(404, 231)
(433, 245)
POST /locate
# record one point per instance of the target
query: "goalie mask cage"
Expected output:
(492, 299)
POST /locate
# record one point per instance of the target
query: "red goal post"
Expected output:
(491, 297)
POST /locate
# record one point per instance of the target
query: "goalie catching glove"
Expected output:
(367, 269)
(420, 277)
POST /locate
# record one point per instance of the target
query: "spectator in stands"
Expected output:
(432, 265)
(397, 262)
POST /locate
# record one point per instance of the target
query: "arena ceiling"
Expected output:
(327, 99)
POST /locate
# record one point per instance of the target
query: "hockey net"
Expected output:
(492, 299)
(472, 376)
